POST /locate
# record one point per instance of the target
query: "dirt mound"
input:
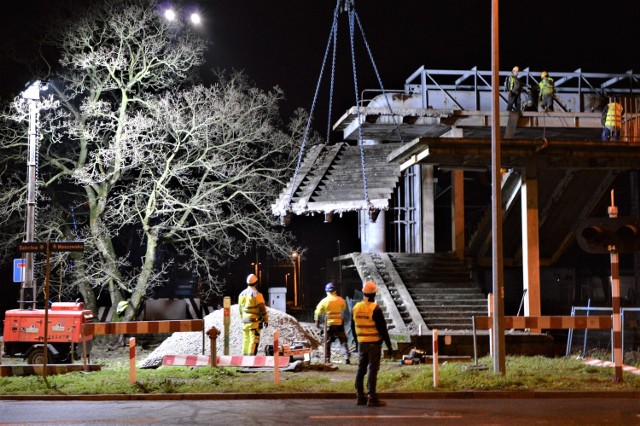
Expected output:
(190, 343)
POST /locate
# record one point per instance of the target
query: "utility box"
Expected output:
(278, 298)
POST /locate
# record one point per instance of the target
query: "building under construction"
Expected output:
(405, 151)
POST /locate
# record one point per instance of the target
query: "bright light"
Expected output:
(195, 19)
(170, 15)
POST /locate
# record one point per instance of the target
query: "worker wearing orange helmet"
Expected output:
(370, 329)
(332, 307)
(253, 314)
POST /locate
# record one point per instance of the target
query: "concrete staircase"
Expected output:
(441, 289)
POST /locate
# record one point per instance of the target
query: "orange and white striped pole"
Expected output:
(435, 357)
(615, 300)
(132, 360)
(276, 358)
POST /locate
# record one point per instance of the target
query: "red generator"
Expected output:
(24, 333)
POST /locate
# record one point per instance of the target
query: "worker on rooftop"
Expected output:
(547, 91)
(513, 87)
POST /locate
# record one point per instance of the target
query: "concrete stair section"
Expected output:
(441, 289)
(368, 270)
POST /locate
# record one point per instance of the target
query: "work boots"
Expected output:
(373, 401)
(361, 400)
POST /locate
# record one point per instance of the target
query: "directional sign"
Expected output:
(32, 247)
(54, 246)
(18, 269)
(67, 246)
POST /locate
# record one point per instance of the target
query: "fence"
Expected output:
(586, 342)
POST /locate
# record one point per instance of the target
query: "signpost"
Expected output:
(47, 248)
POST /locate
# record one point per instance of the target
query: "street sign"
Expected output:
(18, 269)
(74, 246)
(55, 246)
(32, 247)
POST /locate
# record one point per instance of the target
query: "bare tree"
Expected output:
(144, 155)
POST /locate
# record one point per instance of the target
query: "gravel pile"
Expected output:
(190, 343)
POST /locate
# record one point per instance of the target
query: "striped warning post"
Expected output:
(223, 361)
(142, 327)
(598, 363)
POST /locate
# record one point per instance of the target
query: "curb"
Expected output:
(330, 395)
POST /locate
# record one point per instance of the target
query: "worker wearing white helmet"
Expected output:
(513, 87)
(253, 313)
(370, 329)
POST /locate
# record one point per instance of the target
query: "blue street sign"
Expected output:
(18, 269)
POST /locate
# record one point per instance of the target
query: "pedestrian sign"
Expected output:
(18, 270)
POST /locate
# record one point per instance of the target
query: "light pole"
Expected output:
(295, 259)
(32, 95)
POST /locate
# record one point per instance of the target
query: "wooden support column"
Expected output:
(457, 213)
(530, 243)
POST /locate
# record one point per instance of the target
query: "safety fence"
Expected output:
(586, 343)
(139, 327)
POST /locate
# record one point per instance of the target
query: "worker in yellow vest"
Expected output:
(332, 306)
(253, 314)
(370, 329)
(547, 91)
(611, 121)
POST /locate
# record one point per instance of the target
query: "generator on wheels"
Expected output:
(24, 333)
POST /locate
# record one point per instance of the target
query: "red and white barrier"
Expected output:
(598, 363)
(223, 361)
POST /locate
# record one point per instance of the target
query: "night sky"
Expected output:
(282, 42)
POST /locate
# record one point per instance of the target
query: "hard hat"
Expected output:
(329, 287)
(251, 279)
(369, 287)
(544, 74)
(516, 69)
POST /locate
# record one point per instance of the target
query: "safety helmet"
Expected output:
(516, 69)
(329, 288)
(369, 287)
(251, 279)
(544, 74)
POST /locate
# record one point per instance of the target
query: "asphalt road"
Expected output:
(303, 412)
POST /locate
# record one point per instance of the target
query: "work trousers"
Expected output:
(513, 104)
(368, 363)
(610, 133)
(250, 338)
(336, 332)
(547, 102)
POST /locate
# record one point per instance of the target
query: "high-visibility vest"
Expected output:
(333, 306)
(365, 325)
(513, 84)
(546, 87)
(614, 115)
(249, 301)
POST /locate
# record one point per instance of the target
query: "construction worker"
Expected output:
(513, 87)
(611, 121)
(332, 307)
(547, 91)
(253, 314)
(369, 329)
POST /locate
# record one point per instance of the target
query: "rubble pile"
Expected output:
(190, 343)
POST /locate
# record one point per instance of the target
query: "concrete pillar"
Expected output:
(530, 243)
(372, 234)
(427, 202)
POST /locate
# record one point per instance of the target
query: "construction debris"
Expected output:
(190, 343)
